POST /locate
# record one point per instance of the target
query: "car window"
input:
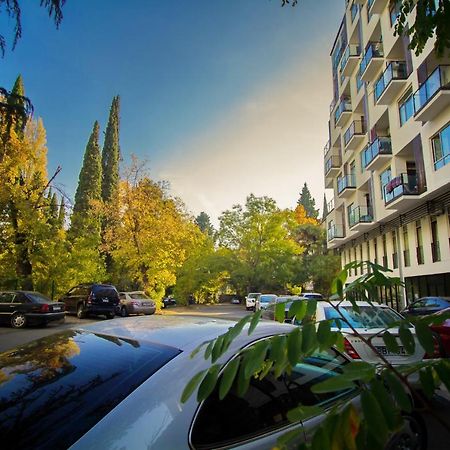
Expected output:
(122, 296)
(20, 298)
(79, 290)
(264, 406)
(434, 302)
(104, 291)
(139, 296)
(368, 317)
(267, 298)
(420, 303)
(36, 297)
(6, 297)
(66, 383)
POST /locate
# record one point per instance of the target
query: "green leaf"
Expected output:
(242, 382)
(359, 370)
(209, 348)
(391, 342)
(217, 349)
(427, 381)
(191, 386)
(303, 412)
(294, 346)
(340, 342)
(208, 384)
(278, 345)
(425, 337)
(325, 337)
(255, 357)
(228, 377)
(309, 340)
(279, 312)
(385, 400)
(339, 288)
(407, 339)
(333, 384)
(297, 310)
(255, 319)
(443, 371)
(194, 352)
(311, 308)
(374, 416)
(398, 391)
(235, 330)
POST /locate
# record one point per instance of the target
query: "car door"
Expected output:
(6, 306)
(72, 298)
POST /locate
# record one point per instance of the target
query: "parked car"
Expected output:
(250, 300)
(136, 302)
(235, 301)
(168, 301)
(106, 389)
(312, 295)
(426, 305)
(20, 308)
(92, 298)
(370, 321)
(443, 332)
(264, 300)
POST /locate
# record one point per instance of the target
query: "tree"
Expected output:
(204, 223)
(307, 201)
(84, 218)
(432, 18)
(13, 10)
(324, 209)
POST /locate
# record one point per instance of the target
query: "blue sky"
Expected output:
(222, 97)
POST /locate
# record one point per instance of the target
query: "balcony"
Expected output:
(372, 61)
(390, 83)
(350, 59)
(326, 149)
(376, 153)
(354, 135)
(335, 232)
(330, 206)
(377, 6)
(360, 217)
(401, 191)
(346, 185)
(343, 112)
(433, 96)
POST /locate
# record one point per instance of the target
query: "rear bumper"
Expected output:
(132, 309)
(101, 309)
(45, 317)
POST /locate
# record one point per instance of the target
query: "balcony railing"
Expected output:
(375, 50)
(380, 146)
(360, 214)
(345, 105)
(347, 181)
(403, 184)
(335, 231)
(327, 147)
(396, 70)
(438, 80)
(356, 128)
(435, 252)
(333, 162)
(330, 205)
(352, 50)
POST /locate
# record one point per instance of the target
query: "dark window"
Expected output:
(79, 290)
(6, 297)
(20, 298)
(406, 108)
(264, 406)
(64, 384)
(35, 297)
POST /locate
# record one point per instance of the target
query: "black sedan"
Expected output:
(426, 305)
(20, 308)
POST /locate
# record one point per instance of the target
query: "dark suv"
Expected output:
(99, 299)
(22, 307)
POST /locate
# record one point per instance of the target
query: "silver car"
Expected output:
(136, 302)
(117, 385)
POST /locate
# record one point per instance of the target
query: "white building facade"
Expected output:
(388, 155)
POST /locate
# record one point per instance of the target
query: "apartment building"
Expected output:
(388, 155)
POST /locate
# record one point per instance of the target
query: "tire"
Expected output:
(18, 320)
(110, 315)
(412, 436)
(81, 313)
(123, 312)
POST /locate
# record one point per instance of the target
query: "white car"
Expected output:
(312, 295)
(250, 300)
(264, 300)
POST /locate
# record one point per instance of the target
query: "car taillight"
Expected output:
(136, 303)
(91, 297)
(348, 348)
(44, 308)
(436, 351)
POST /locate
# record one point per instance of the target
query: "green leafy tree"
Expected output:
(307, 201)
(204, 223)
(84, 217)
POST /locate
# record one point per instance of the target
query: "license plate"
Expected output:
(146, 304)
(57, 308)
(105, 300)
(385, 352)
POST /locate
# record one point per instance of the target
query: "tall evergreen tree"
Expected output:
(89, 186)
(308, 202)
(203, 221)
(325, 208)
(62, 213)
(17, 101)
(111, 155)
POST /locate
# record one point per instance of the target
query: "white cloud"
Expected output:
(269, 144)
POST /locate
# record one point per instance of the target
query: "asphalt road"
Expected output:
(438, 436)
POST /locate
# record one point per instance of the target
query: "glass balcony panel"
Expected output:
(380, 146)
(375, 50)
(347, 181)
(335, 231)
(345, 105)
(439, 79)
(360, 214)
(396, 70)
(356, 128)
(403, 184)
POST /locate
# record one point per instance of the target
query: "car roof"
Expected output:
(131, 292)
(358, 303)
(182, 332)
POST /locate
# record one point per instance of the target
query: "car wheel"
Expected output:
(18, 320)
(123, 311)
(412, 435)
(81, 313)
(110, 315)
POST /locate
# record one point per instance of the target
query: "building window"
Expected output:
(394, 250)
(435, 249)
(394, 12)
(406, 255)
(361, 258)
(385, 177)
(419, 243)
(354, 11)
(359, 82)
(375, 250)
(368, 250)
(385, 258)
(441, 148)
(406, 107)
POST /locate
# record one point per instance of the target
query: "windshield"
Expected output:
(267, 298)
(368, 317)
(38, 298)
(139, 296)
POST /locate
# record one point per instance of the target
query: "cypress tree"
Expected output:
(89, 185)
(53, 205)
(16, 101)
(111, 155)
(325, 208)
(62, 213)
(308, 202)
